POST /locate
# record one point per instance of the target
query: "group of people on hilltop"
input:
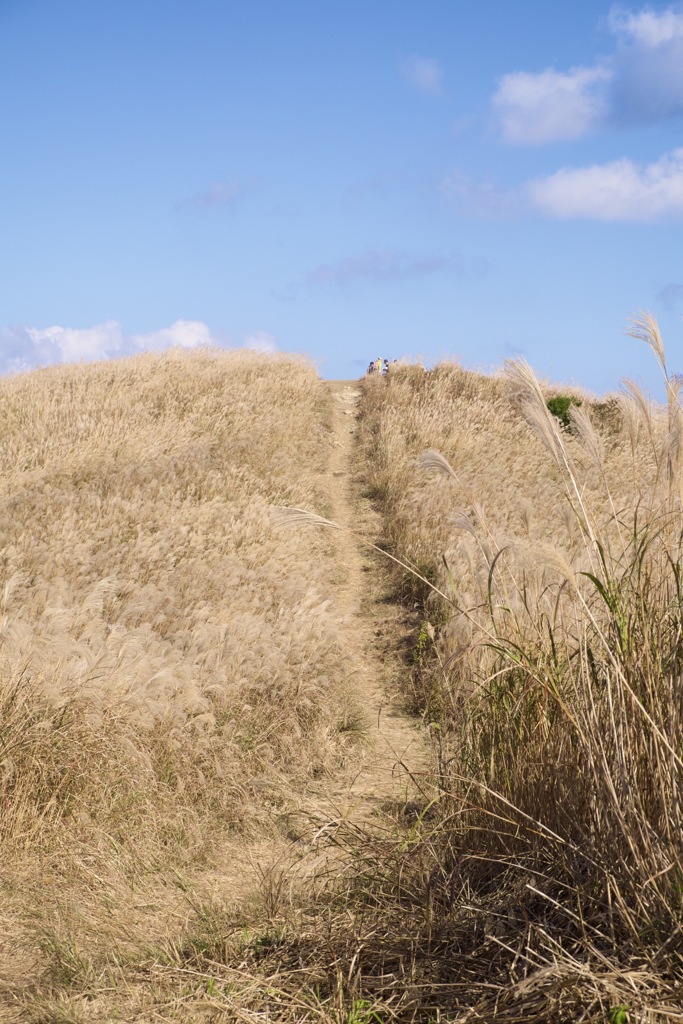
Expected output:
(380, 366)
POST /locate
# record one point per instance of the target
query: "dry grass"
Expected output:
(171, 667)
(543, 884)
(546, 884)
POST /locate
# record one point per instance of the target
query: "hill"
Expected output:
(215, 803)
(169, 655)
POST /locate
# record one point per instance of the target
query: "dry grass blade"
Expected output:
(173, 675)
(433, 460)
(555, 701)
(291, 516)
(525, 390)
(644, 327)
(171, 667)
(287, 516)
(461, 521)
(586, 434)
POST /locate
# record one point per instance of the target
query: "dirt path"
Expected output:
(395, 751)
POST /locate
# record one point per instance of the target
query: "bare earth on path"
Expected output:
(394, 755)
(389, 766)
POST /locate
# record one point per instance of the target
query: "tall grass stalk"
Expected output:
(555, 684)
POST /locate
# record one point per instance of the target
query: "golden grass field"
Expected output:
(178, 671)
(549, 666)
(172, 670)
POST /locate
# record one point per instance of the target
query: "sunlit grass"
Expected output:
(172, 669)
(551, 676)
(171, 666)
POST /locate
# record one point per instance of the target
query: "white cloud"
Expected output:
(183, 333)
(23, 348)
(425, 73)
(552, 105)
(639, 80)
(621, 190)
(72, 344)
(647, 28)
(618, 191)
(261, 341)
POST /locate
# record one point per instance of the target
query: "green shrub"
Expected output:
(559, 407)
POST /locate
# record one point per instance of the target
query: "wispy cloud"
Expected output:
(648, 83)
(425, 73)
(261, 341)
(671, 295)
(24, 348)
(639, 80)
(621, 190)
(478, 198)
(219, 193)
(386, 265)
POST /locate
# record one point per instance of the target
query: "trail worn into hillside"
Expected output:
(391, 764)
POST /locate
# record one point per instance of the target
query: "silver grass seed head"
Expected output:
(630, 414)
(433, 460)
(461, 521)
(525, 390)
(586, 434)
(286, 516)
(644, 327)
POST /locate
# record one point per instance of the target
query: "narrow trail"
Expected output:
(388, 767)
(394, 752)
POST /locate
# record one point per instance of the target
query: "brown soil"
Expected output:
(395, 751)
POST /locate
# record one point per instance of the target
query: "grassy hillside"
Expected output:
(171, 669)
(545, 884)
(176, 669)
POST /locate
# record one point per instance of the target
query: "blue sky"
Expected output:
(372, 177)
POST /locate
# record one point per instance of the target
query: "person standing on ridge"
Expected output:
(378, 364)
